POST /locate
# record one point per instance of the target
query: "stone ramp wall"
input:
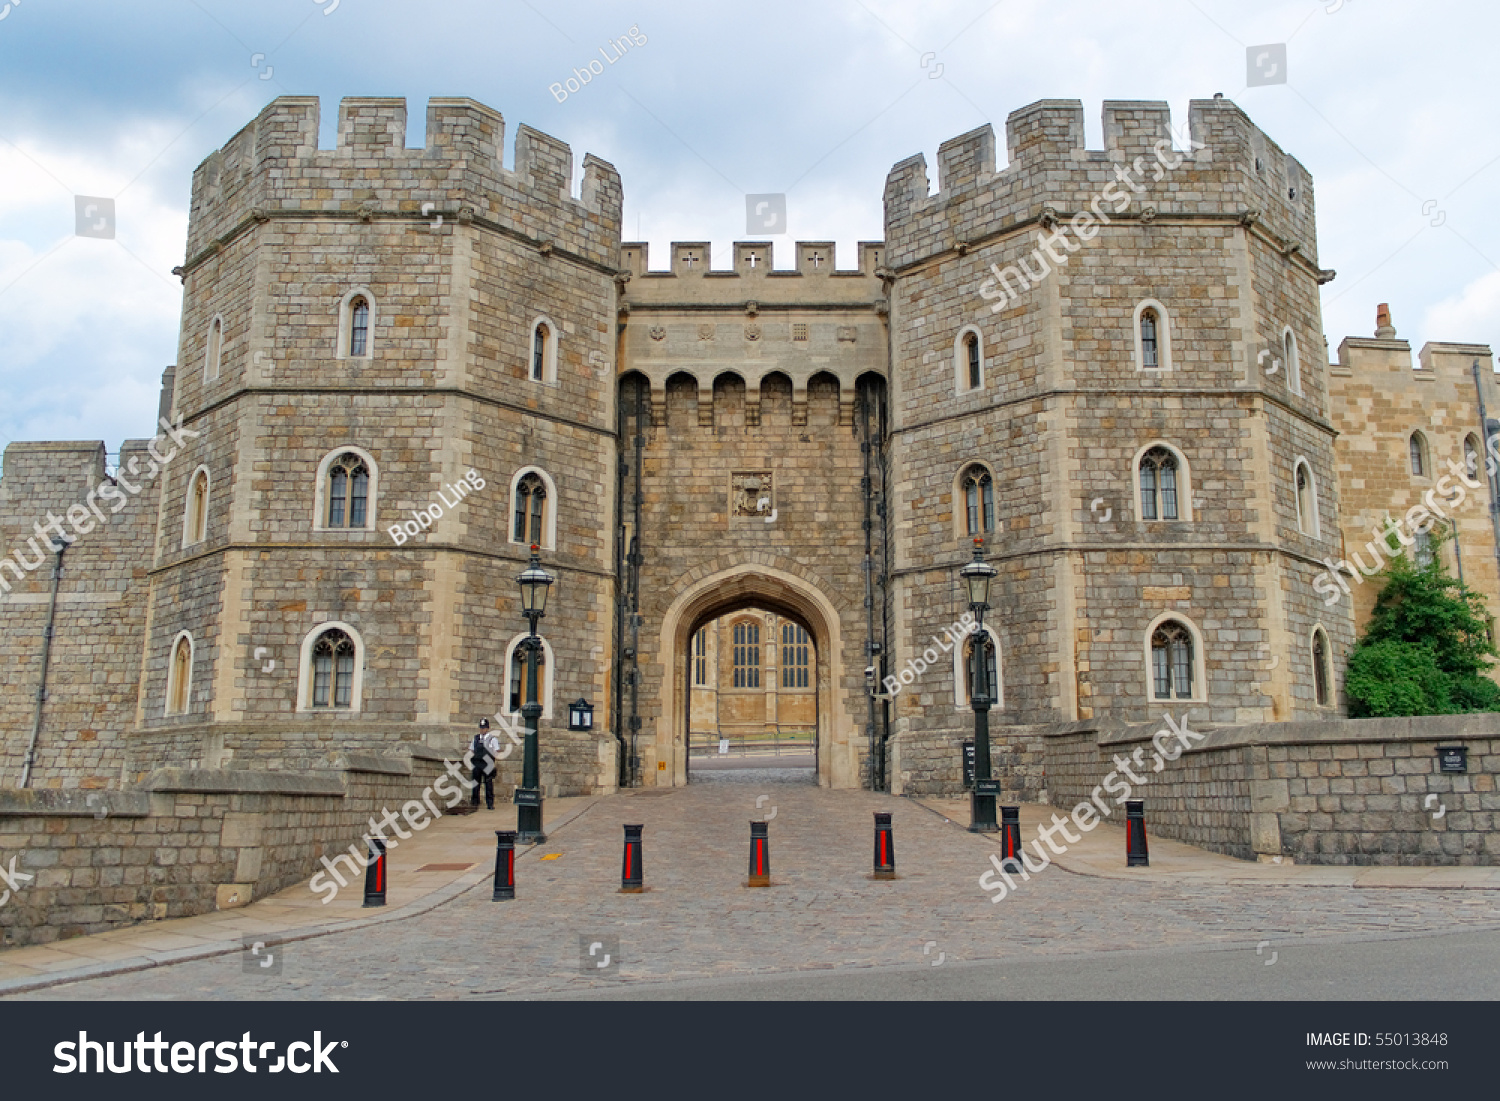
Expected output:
(928, 759)
(189, 841)
(1351, 791)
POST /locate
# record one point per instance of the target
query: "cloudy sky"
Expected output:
(1390, 104)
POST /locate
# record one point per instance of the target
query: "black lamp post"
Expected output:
(535, 583)
(977, 576)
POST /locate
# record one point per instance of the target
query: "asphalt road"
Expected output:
(1452, 967)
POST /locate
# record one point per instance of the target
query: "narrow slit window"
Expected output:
(359, 327)
(1149, 352)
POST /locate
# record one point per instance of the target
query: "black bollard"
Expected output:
(1010, 837)
(885, 847)
(505, 865)
(375, 874)
(632, 872)
(1135, 834)
(760, 855)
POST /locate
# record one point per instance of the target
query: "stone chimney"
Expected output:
(1384, 330)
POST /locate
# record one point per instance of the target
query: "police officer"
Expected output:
(482, 754)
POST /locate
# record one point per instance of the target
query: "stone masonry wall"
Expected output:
(1365, 791)
(94, 668)
(189, 841)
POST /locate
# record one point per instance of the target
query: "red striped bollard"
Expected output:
(632, 873)
(885, 847)
(505, 865)
(375, 874)
(1136, 855)
(1010, 836)
(760, 855)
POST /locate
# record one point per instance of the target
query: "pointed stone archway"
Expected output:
(775, 590)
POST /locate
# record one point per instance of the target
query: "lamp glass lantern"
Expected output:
(535, 583)
(580, 715)
(977, 576)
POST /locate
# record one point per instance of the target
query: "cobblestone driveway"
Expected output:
(697, 920)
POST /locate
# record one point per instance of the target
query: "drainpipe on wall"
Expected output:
(41, 691)
(642, 402)
(877, 749)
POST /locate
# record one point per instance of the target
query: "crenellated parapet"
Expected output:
(1223, 167)
(273, 168)
(815, 278)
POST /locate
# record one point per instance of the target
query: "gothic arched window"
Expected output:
(1172, 661)
(1158, 473)
(348, 492)
(531, 510)
(979, 500)
(333, 670)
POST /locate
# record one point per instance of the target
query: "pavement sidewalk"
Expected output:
(456, 854)
(1101, 852)
(449, 857)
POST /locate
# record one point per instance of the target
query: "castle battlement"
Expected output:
(752, 260)
(274, 168)
(816, 278)
(1231, 170)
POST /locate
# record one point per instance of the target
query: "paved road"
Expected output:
(1450, 967)
(826, 929)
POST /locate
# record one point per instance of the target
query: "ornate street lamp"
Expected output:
(977, 576)
(535, 583)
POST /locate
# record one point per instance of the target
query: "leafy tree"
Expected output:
(1426, 649)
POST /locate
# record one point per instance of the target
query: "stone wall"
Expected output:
(94, 667)
(1066, 407)
(752, 374)
(1365, 791)
(931, 762)
(189, 841)
(1379, 401)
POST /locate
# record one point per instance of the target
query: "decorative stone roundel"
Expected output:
(658, 333)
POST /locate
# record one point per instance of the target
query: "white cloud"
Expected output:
(1470, 317)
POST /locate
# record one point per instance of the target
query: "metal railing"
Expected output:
(786, 743)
